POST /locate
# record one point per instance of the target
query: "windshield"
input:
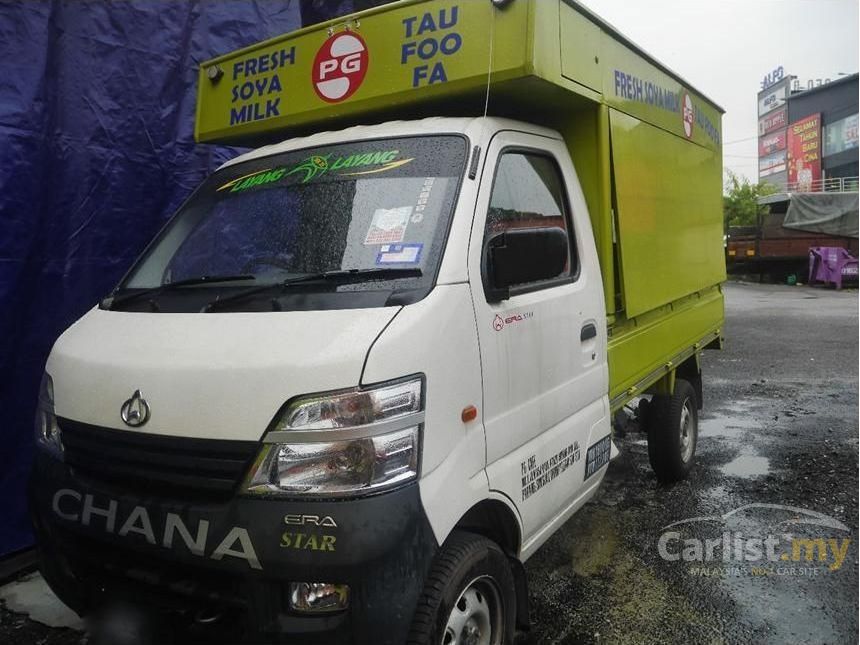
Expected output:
(362, 206)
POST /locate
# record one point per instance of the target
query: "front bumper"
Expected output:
(239, 556)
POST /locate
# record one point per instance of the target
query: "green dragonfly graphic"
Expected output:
(312, 167)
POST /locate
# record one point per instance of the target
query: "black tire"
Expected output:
(466, 564)
(673, 431)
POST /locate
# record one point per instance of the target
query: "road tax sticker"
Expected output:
(597, 456)
(388, 225)
(399, 254)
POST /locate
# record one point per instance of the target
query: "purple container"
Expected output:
(831, 265)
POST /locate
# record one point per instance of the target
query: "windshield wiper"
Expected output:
(112, 301)
(341, 276)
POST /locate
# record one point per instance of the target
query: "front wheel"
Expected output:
(469, 597)
(673, 431)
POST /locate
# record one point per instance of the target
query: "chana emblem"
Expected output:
(135, 411)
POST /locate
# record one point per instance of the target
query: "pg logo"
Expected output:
(340, 66)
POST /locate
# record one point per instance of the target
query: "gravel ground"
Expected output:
(779, 428)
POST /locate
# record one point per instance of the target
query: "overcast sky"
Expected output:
(725, 47)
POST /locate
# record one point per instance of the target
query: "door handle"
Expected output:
(588, 332)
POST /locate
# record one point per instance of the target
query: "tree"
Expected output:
(740, 201)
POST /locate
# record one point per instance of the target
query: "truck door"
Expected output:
(543, 348)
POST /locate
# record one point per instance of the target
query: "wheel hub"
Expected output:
(687, 430)
(475, 618)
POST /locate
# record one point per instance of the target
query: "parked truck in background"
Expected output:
(769, 249)
(369, 367)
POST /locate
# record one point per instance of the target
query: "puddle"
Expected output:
(727, 426)
(747, 465)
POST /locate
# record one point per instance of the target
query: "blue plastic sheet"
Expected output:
(96, 151)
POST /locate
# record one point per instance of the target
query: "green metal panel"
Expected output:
(669, 214)
(580, 48)
(640, 351)
(586, 132)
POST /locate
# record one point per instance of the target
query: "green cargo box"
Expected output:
(646, 145)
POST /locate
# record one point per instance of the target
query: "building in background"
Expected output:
(808, 137)
(808, 149)
(772, 126)
(822, 133)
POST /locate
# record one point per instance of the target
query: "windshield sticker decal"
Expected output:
(423, 198)
(391, 165)
(258, 178)
(388, 225)
(318, 165)
(312, 166)
(399, 254)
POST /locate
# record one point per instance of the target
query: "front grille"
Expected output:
(103, 561)
(149, 464)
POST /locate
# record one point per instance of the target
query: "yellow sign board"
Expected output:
(394, 54)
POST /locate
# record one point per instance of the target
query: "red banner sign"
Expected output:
(771, 143)
(804, 152)
(773, 121)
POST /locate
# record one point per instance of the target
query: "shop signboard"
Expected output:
(771, 164)
(773, 97)
(772, 142)
(804, 152)
(773, 121)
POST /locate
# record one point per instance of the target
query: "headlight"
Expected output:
(353, 407)
(352, 442)
(48, 434)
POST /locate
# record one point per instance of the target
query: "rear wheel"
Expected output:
(673, 431)
(469, 596)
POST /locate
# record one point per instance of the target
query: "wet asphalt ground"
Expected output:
(779, 429)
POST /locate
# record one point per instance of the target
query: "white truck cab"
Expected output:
(369, 361)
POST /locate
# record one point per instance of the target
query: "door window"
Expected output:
(528, 192)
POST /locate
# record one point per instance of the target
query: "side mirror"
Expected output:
(523, 255)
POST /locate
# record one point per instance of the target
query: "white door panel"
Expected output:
(545, 382)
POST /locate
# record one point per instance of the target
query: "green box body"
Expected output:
(646, 146)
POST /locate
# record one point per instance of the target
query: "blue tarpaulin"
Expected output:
(96, 151)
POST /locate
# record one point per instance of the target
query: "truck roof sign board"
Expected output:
(395, 60)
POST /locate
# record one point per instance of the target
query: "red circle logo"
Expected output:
(340, 66)
(687, 113)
